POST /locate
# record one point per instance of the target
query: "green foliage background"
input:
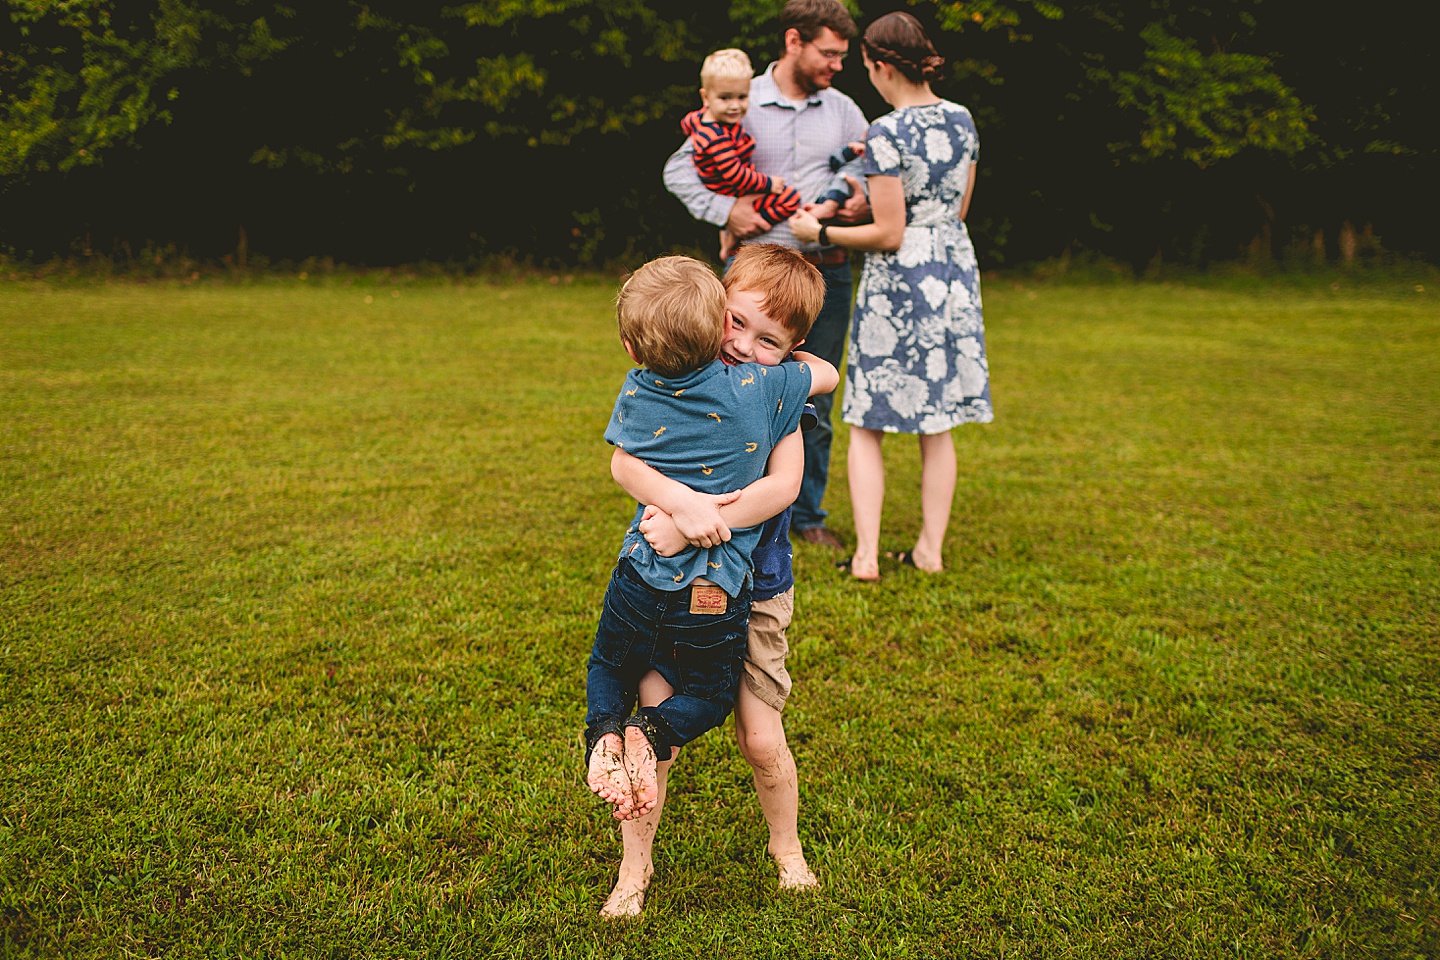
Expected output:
(390, 131)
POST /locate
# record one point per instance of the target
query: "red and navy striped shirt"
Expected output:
(722, 156)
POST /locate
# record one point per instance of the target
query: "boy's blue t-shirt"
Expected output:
(712, 430)
(773, 558)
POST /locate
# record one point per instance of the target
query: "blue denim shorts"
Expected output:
(643, 628)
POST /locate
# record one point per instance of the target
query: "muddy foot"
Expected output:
(608, 777)
(795, 873)
(628, 897)
(640, 766)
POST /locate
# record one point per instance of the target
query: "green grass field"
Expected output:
(296, 592)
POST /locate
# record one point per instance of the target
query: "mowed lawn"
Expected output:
(296, 592)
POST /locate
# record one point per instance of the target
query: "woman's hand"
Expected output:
(805, 227)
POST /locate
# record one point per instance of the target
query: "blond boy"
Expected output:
(710, 427)
(772, 297)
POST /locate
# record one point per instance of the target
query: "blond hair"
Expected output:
(791, 288)
(672, 315)
(726, 64)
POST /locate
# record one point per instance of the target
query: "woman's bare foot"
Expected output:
(860, 568)
(608, 777)
(640, 767)
(628, 897)
(925, 562)
(795, 873)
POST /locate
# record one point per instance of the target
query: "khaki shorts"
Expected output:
(765, 672)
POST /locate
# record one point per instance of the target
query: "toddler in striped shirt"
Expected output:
(723, 148)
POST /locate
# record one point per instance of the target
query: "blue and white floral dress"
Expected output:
(917, 339)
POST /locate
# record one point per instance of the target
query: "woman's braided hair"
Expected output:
(899, 40)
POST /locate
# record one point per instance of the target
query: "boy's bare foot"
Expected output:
(640, 767)
(608, 777)
(795, 873)
(628, 897)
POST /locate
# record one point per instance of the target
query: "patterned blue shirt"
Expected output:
(712, 430)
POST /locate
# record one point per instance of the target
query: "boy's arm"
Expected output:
(824, 378)
(773, 492)
(757, 503)
(697, 515)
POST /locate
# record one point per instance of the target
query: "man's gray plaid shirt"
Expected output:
(792, 140)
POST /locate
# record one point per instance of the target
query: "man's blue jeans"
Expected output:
(700, 655)
(826, 341)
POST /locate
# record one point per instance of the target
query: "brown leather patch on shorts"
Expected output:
(705, 598)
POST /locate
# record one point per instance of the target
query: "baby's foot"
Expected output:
(640, 766)
(727, 245)
(795, 873)
(608, 777)
(628, 897)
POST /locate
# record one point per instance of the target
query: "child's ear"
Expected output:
(797, 344)
(631, 350)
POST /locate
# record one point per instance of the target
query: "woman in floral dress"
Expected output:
(917, 340)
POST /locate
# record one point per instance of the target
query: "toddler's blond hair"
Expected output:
(672, 315)
(729, 63)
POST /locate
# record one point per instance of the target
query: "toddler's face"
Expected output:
(727, 98)
(750, 335)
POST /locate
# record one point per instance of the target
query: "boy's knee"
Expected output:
(762, 747)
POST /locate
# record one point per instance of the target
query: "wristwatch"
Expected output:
(824, 240)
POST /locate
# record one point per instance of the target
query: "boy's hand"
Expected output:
(659, 531)
(698, 519)
(777, 184)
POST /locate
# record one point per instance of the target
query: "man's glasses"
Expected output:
(834, 56)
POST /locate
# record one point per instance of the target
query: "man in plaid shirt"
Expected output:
(798, 121)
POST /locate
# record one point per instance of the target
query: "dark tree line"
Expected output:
(383, 132)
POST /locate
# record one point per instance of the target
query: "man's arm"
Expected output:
(773, 492)
(857, 208)
(683, 181)
(697, 515)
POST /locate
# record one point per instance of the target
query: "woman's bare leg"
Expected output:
(638, 835)
(937, 497)
(867, 497)
(761, 735)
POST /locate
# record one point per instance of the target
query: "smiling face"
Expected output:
(817, 61)
(726, 98)
(750, 335)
